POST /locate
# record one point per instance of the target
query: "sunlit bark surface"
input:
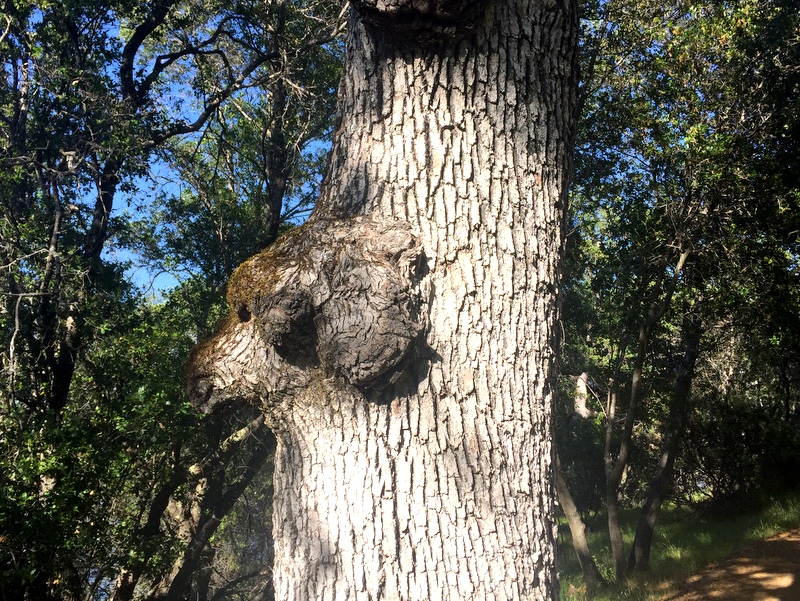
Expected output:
(401, 343)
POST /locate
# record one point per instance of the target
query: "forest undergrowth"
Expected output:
(686, 541)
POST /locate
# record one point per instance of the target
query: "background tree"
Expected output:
(111, 485)
(670, 191)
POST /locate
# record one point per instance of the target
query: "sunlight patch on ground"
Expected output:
(768, 570)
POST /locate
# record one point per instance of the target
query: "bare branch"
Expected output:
(241, 82)
(163, 61)
(158, 14)
(4, 35)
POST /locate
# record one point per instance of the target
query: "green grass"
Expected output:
(684, 543)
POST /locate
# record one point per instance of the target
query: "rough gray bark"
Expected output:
(401, 343)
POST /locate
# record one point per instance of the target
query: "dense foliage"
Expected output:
(112, 487)
(683, 276)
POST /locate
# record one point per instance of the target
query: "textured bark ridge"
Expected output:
(332, 299)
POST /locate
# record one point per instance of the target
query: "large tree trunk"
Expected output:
(401, 342)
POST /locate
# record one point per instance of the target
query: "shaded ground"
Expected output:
(768, 570)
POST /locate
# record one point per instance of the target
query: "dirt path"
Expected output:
(768, 570)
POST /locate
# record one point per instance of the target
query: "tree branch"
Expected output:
(157, 16)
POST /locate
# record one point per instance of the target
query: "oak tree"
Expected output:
(400, 344)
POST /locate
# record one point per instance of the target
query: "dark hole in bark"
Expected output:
(427, 22)
(419, 269)
(244, 314)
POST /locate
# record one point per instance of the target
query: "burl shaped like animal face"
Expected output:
(331, 299)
